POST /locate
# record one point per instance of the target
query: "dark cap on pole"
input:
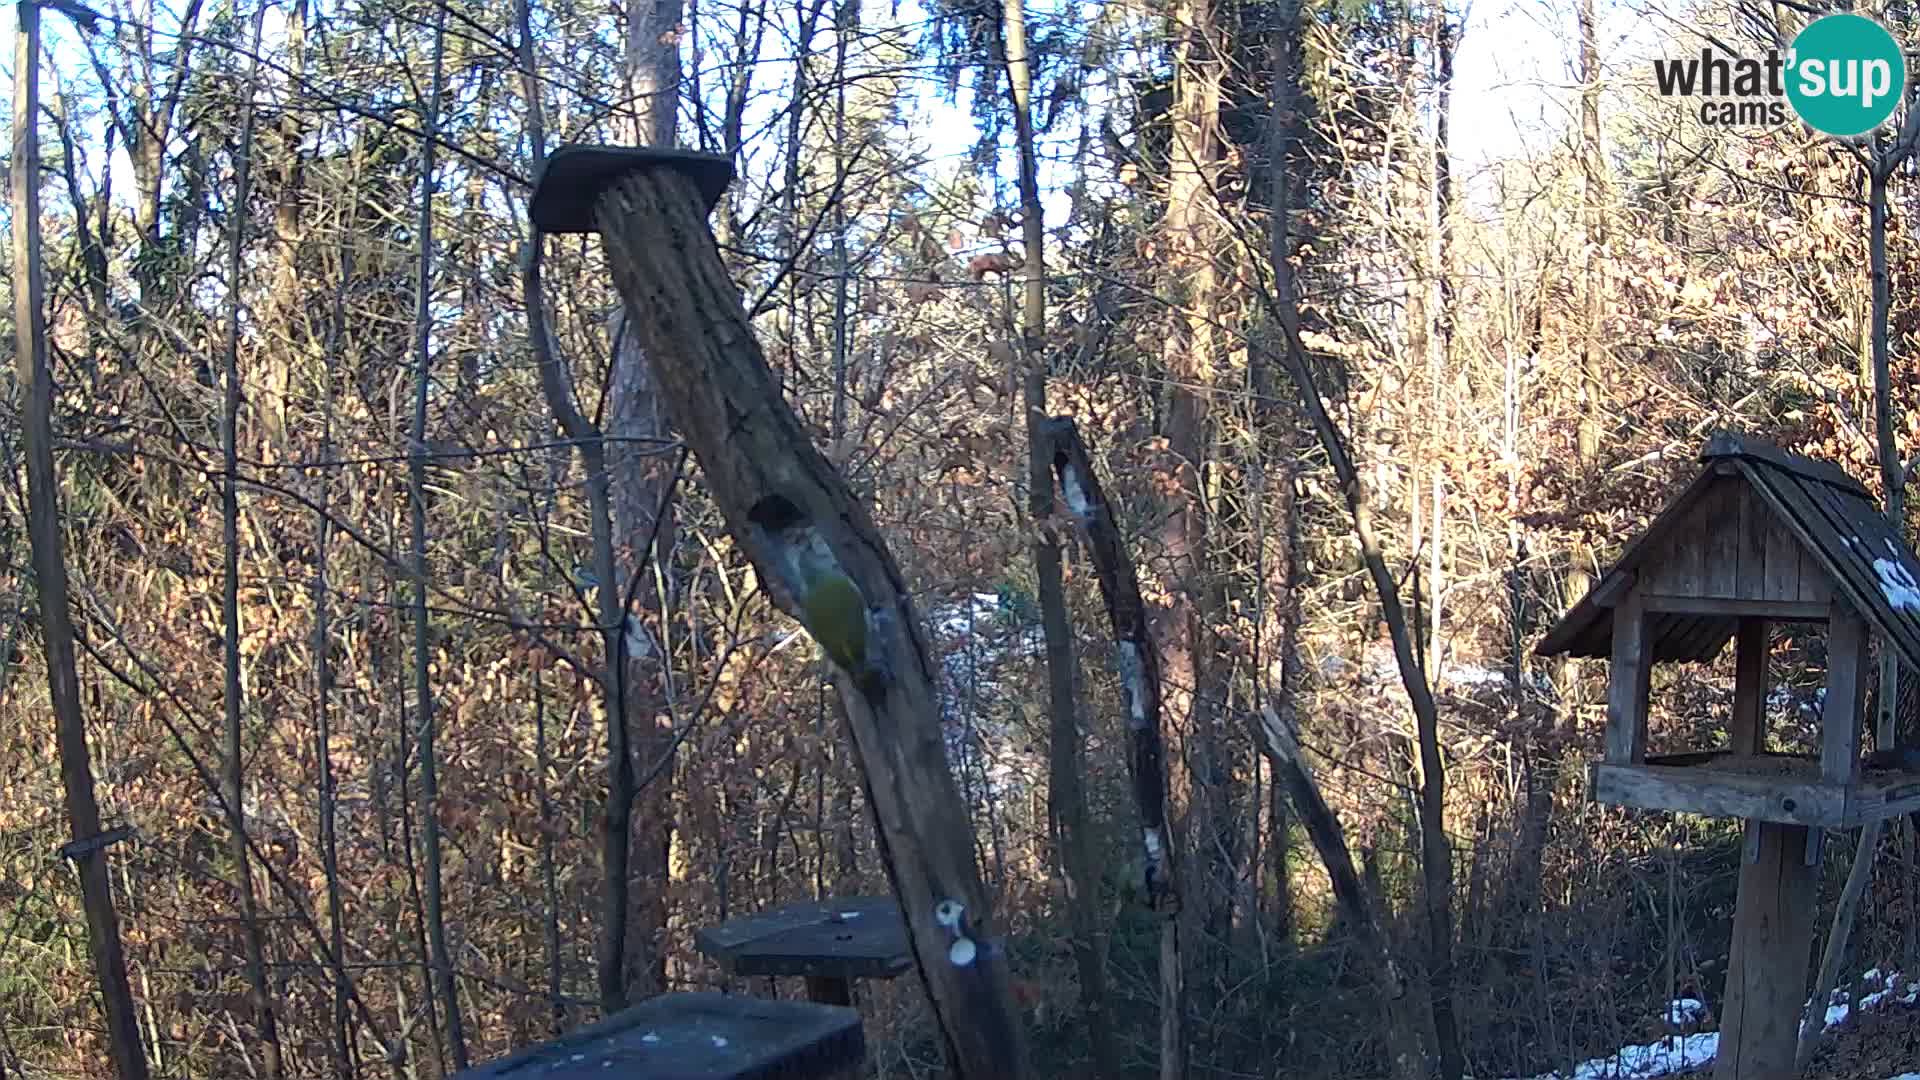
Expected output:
(573, 178)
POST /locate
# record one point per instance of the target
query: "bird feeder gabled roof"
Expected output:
(1839, 532)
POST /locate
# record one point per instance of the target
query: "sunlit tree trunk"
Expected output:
(35, 377)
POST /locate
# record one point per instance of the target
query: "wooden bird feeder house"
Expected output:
(1760, 536)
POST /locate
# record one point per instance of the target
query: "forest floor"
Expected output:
(1880, 1041)
(1881, 1044)
(1878, 1044)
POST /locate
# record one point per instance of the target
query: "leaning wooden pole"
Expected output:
(796, 519)
(1139, 664)
(88, 849)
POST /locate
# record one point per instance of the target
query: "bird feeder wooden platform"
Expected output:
(696, 1037)
(1760, 536)
(830, 944)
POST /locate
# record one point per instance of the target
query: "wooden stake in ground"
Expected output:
(49, 561)
(796, 519)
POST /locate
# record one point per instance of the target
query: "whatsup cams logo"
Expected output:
(1843, 75)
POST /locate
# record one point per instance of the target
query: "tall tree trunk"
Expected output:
(638, 482)
(1281, 530)
(253, 946)
(1593, 241)
(1200, 787)
(1066, 797)
(327, 791)
(1142, 693)
(49, 560)
(446, 988)
(1439, 289)
(1436, 855)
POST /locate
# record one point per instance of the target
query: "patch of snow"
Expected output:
(1473, 675)
(1685, 1011)
(958, 619)
(1673, 1054)
(1897, 585)
(1677, 1053)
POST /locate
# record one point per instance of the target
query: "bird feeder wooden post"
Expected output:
(1760, 536)
(650, 208)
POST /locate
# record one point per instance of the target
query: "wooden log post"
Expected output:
(1628, 681)
(1767, 966)
(780, 495)
(1749, 726)
(1773, 917)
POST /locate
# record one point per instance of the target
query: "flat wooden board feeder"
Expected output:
(1760, 536)
(696, 1037)
(573, 177)
(830, 943)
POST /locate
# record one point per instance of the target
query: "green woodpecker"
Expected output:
(837, 617)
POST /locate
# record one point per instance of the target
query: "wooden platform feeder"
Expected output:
(830, 944)
(696, 1037)
(1760, 536)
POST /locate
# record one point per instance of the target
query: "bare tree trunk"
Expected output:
(446, 987)
(1402, 1009)
(253, 946)
(637, 486)
(778, 492)
(1140, 689)
(1066, 797)
(1592, 348)
(1436, 851)
(323, 673)
(549, 876)
(845, 21)
(1200, 783)
(49, 561)
(1439, 288)
(1282, 582)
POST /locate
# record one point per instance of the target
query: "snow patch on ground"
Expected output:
(1670, 1055)
(1677, 1053)
(1472, 675)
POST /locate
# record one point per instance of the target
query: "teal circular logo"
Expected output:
(1845, 75)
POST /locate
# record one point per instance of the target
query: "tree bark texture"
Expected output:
(1201, 787)
(49, 559)
(637, 479)
(1140, 689)
(752, 448)
(1066, 796)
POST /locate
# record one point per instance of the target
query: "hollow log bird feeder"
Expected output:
(794, 517)
(1760, 536)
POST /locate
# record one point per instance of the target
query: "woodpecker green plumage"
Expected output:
(836, 615)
